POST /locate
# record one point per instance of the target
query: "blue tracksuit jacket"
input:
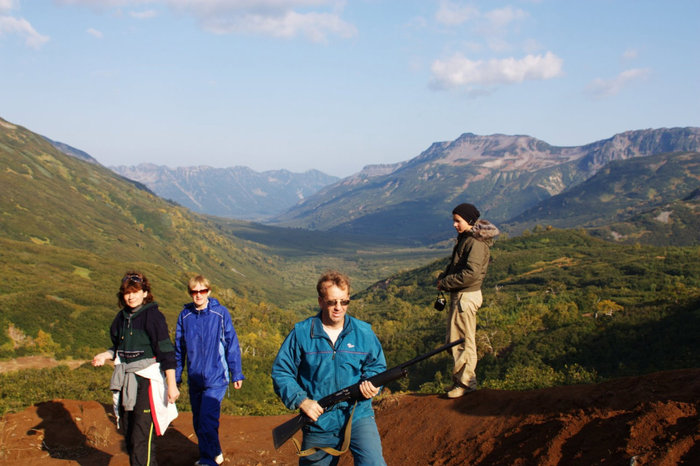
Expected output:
(308, 365)
(207, 342)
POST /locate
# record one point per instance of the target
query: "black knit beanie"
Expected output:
(468, 212)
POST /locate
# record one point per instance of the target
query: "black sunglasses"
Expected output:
(132, 278)
(333, 302)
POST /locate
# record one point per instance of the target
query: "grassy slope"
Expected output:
(619, 192)
(536, 328)
(70, 229)
(538, 323)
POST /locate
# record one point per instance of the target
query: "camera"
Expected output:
(440, 302)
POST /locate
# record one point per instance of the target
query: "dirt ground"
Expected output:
(650, 420)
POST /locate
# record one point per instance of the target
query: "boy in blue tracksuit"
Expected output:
(206, 342)
(321, 355)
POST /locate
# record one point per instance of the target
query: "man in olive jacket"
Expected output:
(462, 279)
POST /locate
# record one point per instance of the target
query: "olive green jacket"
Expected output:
(470, 259)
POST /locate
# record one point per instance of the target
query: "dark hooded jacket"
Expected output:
(142, 334)
(470, 258)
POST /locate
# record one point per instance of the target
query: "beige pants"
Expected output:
(462, 324)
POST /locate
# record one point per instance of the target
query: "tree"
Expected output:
(607, 307)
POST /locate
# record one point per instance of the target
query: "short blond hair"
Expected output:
(198, 280)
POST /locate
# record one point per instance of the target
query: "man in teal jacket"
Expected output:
(321, 355)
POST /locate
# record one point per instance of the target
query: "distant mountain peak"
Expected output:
(72, 151)
(381, 169)
(639, 143)
(505, 175)
(235, 192)
(498, 151)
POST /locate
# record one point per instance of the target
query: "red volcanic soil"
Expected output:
(649, 420)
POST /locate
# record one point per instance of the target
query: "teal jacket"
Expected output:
(308, 365)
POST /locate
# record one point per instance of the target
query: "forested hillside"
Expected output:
(623, 190)
(69, 231)
(560, 307)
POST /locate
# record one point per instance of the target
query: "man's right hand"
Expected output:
(311, 409)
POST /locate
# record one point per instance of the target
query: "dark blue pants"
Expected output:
(206, 409)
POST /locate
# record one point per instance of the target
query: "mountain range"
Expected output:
(235, 192)
(71, 227)
(622, 189)
(517, 181)
(512, 179)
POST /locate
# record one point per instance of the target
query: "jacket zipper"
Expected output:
(332, 347)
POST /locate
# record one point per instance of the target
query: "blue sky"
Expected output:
(337, 85)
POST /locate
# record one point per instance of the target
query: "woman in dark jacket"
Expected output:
(462, 279)
(142, 351)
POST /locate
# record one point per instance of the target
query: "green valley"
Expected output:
(70, 229)
(561, 306)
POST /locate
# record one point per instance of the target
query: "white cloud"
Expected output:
(107, 3)
(459, 71)
(453, 14)
(315, 26)
(504, 17)
(492, 27)
(314, 19)
(94, 33)
(22, 28)
(147, 14)
(6, 5)
(600, 88)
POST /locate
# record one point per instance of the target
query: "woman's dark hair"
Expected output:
(134, 281)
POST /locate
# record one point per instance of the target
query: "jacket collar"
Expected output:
(128, 314)
(212, 303)
(317, 326)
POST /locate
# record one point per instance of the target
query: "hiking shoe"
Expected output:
(459, 391)
(219, 459)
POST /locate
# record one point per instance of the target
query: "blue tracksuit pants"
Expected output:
(206, 409)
